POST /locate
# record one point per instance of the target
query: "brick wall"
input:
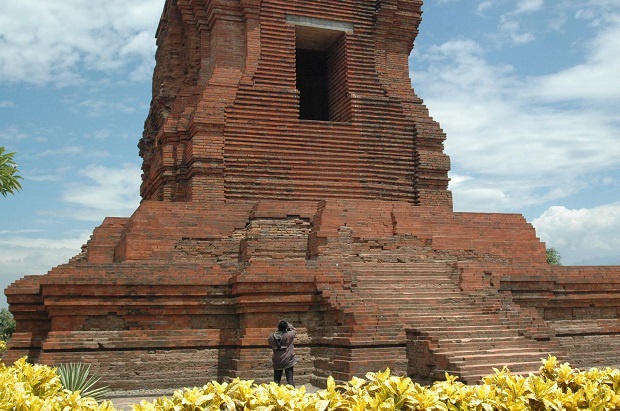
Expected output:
(187, 292)
(224, 121)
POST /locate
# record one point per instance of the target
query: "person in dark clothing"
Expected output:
(281, 342)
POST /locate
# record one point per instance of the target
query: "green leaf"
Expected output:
(77, 377)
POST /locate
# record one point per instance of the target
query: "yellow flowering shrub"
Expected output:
(557, 387)
(32, 387)
(2, 347)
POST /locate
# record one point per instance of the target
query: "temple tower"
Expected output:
(290, 100)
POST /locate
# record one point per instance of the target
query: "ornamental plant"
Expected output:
(33, 387)
(556, 387)
(77, 377)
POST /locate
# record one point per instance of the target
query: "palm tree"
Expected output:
(9, 177)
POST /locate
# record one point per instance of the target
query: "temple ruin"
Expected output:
(290, 171)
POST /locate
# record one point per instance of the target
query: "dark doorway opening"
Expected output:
(313, 84)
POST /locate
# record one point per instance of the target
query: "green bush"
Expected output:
(553, 257)
(7, 324)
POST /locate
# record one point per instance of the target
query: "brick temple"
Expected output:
(290, 171)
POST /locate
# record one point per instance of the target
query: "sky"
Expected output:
(527, 91)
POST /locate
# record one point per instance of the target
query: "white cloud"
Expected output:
(529, 6)
(25, 231)
(457, 180)
(57, 174)
(73, 242)
(523, 141)
(511, 29)
(21, 256)
(52, 41)
(113, 192)
(6, 104)
(596, 79)
(518, 141)
(99, 107)
(581, 235)
(63, 151)
(597, 11)
(483, 7)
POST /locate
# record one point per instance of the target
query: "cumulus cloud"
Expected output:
(522, 141)
(510, 29)
(595, 80)
(483, 7)
(529, 6)
(52, 41)
(110, 192)
(21, 255)
(582, 235)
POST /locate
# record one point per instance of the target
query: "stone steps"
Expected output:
(472, 374)
(468, 333)
(479, 331)
(509, 355)
(477, 344)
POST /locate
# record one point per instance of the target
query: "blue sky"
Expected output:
(528, 92)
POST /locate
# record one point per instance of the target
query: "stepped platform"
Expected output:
(194, 289)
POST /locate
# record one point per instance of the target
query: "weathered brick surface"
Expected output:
(225, 116)
(371, 284)
(344, 227)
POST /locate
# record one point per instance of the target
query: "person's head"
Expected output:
(283, 325)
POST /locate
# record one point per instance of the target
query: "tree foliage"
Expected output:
(7, 324)
(553, 256)
(9, 175)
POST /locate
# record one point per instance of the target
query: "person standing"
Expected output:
(281, 342)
